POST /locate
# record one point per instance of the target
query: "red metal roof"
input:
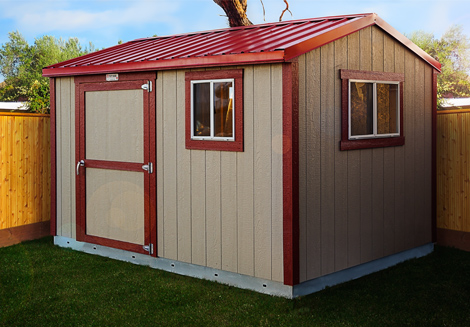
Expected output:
(273, 42)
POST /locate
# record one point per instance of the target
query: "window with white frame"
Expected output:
(212, 114)
(374, 109)
(214, 110)
(371, 109)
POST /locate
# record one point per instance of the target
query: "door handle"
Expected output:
(80, 163)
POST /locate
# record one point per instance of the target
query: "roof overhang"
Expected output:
(287, 52)
(179, 63)
(352, 27)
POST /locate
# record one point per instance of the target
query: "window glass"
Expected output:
(387, 95)
(223, 109)
(362, 104)
(201, 105)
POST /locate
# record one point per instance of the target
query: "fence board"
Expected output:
(25, 170)
(453, 170)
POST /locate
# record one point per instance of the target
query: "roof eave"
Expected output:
(407, 43)
(167, 64)
(327, 37)
(352, 27)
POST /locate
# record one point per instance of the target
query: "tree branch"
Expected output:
(235, 11)
(287, 9)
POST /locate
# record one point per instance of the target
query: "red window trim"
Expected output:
(237, 144)
(346, 143)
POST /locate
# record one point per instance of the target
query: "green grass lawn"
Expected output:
(44, 285)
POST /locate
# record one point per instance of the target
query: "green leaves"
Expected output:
(21, 65)
(452, 50)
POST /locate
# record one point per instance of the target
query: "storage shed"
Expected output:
(281, 157)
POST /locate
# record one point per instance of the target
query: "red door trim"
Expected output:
(114, 165)
(96, 83)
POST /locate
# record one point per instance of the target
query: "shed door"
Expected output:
(115, 165)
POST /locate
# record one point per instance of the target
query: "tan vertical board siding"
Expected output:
(213, 217)
(313, 164)
(399, 217)
(409, 116)
(223, 209)
(453, 172)
(340, 166)
(277, 228)
(354, 173)
(375, 185)
(365, 63)
(389, 166)
(183, 184)
(245, 179)
(327, 159)
(377, 160)
(198, 207)
(428, 159)
(65, 120)
(169, 178)
(229, 211)
(303, 132)
(420, 161)
(262, 171)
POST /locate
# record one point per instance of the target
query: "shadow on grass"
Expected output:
(44, 285)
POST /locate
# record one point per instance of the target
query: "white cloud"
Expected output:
(47, 16)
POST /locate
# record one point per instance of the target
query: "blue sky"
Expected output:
(105, 22)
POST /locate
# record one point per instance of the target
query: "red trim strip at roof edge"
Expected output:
(352, 27)
(222, 60)
(250, 58)
(406, 42)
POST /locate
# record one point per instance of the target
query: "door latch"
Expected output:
(148, 248)
(148, 168)
(147, 86)
(80, 163)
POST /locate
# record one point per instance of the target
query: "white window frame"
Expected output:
(212, 127)
(374, 118)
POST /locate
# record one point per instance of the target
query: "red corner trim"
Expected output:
(53, 224)
(290, 122)
(434, 156)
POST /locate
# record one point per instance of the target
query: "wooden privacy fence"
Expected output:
(25, 173)
(453, 177)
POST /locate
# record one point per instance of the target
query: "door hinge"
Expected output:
(148, 168)
(148, 248)
(147, 86)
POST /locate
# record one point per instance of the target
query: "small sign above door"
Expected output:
(112, 77)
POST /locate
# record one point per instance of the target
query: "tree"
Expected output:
(452, 50)
(236, 11)
(21, 65)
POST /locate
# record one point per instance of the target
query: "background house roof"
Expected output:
(273, 42)
(12, 106)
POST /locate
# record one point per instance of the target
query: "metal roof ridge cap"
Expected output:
(407, 42)
(228, 29)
